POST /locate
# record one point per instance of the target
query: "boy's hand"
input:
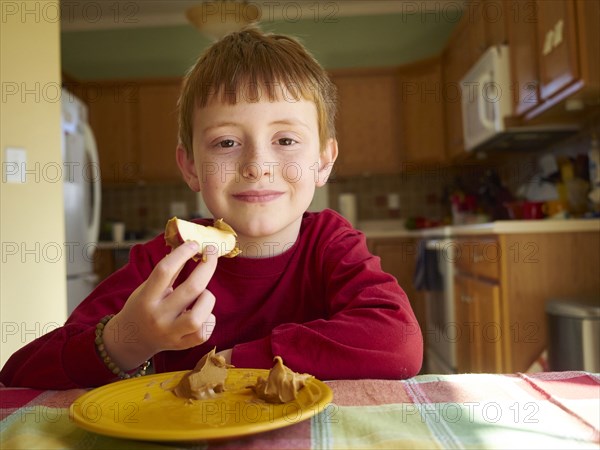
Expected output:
(157, 317)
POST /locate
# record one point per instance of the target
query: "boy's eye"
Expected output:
(226, 143)
(286, 141)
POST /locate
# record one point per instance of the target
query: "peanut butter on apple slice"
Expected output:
(220, 235)
(282, 384)
(206, 379)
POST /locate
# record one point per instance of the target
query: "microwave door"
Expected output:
(480, 113)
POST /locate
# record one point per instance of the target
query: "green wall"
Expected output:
(383, 40)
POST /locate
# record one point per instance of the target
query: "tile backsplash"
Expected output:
(145, 208)
(392, 196)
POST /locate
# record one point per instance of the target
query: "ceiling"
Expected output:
(110, 39)
(85, 15)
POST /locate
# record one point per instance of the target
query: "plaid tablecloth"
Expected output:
(544, 410)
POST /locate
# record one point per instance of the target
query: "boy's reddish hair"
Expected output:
(250, 64)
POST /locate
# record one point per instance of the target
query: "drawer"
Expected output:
(480, 257)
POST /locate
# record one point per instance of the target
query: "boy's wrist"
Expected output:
(122, 345)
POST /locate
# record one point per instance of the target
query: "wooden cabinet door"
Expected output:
(485, 298)
(464, 317)
(476, 29)
(158, 131)
(522, 36)
(479, 257)
(495, 16)
(477, 309)
(368, 124)
(557, 50)
(112, 117)
(422, 113)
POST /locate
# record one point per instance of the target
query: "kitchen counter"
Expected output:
(395, 229)
(123, 245)
(371, 231)
(526, 227)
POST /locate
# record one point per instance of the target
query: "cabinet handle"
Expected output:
(465, 298)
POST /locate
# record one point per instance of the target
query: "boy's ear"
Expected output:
(187, 168)
(327, 158)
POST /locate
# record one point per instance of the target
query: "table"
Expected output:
(540, 410)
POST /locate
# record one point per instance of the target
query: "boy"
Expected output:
(256, 137)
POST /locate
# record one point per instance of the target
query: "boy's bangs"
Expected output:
(253, 88)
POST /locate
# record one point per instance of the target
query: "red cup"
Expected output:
(514, 210)
(533, 210)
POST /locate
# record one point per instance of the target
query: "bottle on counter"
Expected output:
(594, 168)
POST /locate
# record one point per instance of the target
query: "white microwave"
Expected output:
(486, 98)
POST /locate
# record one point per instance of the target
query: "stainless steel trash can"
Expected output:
(574, 334)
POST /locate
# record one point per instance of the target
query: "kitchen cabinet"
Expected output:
(158, 131)
(554, 47)
(368, 122)
(478, 317)
(398, 258)
(554, 53)
(494, 15)
(523, 55)
(486, 26)
(112, 116)
(557, 48)
(135, 125)
(502, 283)
(477, 306)
(422, 116)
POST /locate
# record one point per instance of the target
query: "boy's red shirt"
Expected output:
(324, 306)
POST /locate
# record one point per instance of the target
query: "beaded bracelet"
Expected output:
(107, 360)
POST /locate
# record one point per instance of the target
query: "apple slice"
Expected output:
(219, 235)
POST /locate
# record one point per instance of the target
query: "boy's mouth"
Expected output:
(257, 196)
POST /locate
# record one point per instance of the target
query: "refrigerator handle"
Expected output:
(92, 152)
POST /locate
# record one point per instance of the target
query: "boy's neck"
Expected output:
(269, 246)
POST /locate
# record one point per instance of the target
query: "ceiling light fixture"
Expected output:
(215, 19)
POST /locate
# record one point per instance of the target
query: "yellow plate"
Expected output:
(144, 408)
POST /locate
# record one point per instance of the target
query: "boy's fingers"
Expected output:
(168, 268)
(188, 291)
(201, 335)
(194, 319)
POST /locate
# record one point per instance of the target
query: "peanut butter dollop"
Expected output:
(282, 384)
(205, 380)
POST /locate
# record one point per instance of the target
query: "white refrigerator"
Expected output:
(82, 197)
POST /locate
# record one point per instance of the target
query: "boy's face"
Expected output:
(257, 165)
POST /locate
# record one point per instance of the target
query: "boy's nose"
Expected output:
(255, 165)
(253, 170)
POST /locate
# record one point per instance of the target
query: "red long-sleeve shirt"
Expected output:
(324, 306)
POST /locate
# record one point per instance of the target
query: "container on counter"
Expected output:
(347, 204)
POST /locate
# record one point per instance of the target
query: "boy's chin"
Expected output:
(264, 229)
(257, 231)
